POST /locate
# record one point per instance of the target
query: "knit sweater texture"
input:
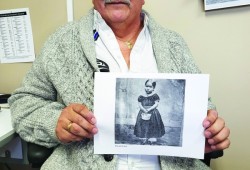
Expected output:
(63, 73)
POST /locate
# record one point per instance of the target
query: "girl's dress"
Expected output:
(154, 127)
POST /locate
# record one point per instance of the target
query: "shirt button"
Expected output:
(108, 157)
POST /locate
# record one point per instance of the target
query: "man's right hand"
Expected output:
(75, 123)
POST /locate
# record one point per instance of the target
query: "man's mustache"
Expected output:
(117, 1)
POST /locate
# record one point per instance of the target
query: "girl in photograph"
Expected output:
(149, 125)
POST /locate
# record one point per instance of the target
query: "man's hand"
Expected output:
(75, 123)
(216, 132)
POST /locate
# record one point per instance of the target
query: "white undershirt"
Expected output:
(142, 60)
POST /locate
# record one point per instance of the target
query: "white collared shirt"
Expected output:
(142, 60)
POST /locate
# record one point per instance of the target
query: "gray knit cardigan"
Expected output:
(63, 74)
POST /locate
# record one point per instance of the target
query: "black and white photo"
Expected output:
(149, 111)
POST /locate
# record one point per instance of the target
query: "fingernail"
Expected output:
(215, 113)
(93, 120)
(94, 130)
(210, 141)
(207, 134)
(206, 124)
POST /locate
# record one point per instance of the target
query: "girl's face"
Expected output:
(149, 88)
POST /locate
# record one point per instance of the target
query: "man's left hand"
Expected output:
(216, 132)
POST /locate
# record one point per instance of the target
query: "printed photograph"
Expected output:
(149, 111)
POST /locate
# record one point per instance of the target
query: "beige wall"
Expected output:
(219, 41)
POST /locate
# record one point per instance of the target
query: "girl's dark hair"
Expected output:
(151, 81)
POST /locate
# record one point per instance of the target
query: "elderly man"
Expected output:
(115, 36)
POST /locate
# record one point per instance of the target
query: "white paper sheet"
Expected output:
(16, 39)
(182, 106)
(5, 123)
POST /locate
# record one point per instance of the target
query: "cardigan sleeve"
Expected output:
(34, 106)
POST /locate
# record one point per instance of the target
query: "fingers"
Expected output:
(220, 141)
(75, 123)
(84, 120)
(215, 128)
(84, 112)
(77, 130)
(81, 121)
(212, 115)
(216, 132)
(221, 146)
(66, 137)
(62, 131)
